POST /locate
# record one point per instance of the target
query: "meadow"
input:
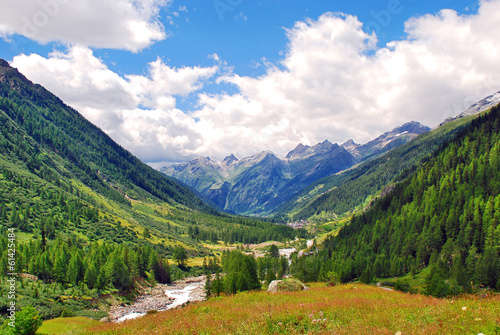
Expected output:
(343, 309)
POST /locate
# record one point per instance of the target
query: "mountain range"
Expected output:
(258, 184)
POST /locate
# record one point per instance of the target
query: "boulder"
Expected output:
(288, 285)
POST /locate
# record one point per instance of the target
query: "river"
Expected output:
(162, 297)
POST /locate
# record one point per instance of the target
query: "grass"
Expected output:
(66, 326)
(344, 309)
(195, 261)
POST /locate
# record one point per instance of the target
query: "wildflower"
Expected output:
(398, 333)
(464, 308)
(478, 319)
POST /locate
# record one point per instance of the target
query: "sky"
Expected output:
(174, 80)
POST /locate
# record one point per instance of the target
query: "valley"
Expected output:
(100, 235)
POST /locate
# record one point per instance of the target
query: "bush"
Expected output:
(402, 285)
(332, 278)
(26, 323)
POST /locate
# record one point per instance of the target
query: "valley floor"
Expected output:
(344, 309)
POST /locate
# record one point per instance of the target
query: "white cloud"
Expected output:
(128, 24)
(337, 85)
(333, 83)
(112, 102)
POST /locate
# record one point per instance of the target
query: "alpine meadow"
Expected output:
(233, 167)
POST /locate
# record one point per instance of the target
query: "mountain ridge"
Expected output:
(225, 182)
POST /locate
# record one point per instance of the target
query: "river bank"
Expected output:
(160, 298)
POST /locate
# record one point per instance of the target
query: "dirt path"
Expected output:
(379, 285)
(160, 298)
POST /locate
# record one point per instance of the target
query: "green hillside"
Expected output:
(350, 190)
(61, 173)
(88, 217)
(445, 215)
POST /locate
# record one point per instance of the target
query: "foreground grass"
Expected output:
(345, 309)
(66, 326)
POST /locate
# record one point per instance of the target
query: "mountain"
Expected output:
(60, 175)
(354, 188)
(255, 184)
(259, 184)
(386, 141)
(482, 105)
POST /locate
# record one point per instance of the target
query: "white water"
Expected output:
(181, 296)
(130, 317)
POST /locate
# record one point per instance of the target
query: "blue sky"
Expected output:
(172, 80)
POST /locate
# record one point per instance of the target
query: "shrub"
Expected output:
(26, 323)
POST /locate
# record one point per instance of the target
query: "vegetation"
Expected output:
(64, 326)
(89, 217)
(241, 272)
(26, 322)
(445, 215)
(343, 309)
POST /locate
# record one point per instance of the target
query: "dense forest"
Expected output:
(243, 272)
(445, 216)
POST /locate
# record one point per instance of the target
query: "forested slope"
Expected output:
(90, 155)
(445, 215)
(348, 190)
(86, 216)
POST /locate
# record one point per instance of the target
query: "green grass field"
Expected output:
(344, 309)
(66, 326)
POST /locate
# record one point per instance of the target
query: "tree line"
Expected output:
(96, 265)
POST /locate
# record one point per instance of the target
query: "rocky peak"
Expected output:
(323, 147)
(4, 63)
(482, 105)
(413, 127)
(349, 144)
(230, 160)
(299, 149)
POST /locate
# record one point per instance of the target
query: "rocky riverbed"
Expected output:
(160, 298)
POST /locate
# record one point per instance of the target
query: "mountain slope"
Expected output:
(96, 158)
(60, 174)
(256, 184)
(445, 215)
(351, 189)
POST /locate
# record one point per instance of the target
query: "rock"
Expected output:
(105, 319)
(288, 285)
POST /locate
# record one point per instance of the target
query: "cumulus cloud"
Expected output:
(137, 111)
(333, 83)
(128, 24)
(336, 84)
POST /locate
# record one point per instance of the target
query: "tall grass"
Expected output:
(345, 309)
